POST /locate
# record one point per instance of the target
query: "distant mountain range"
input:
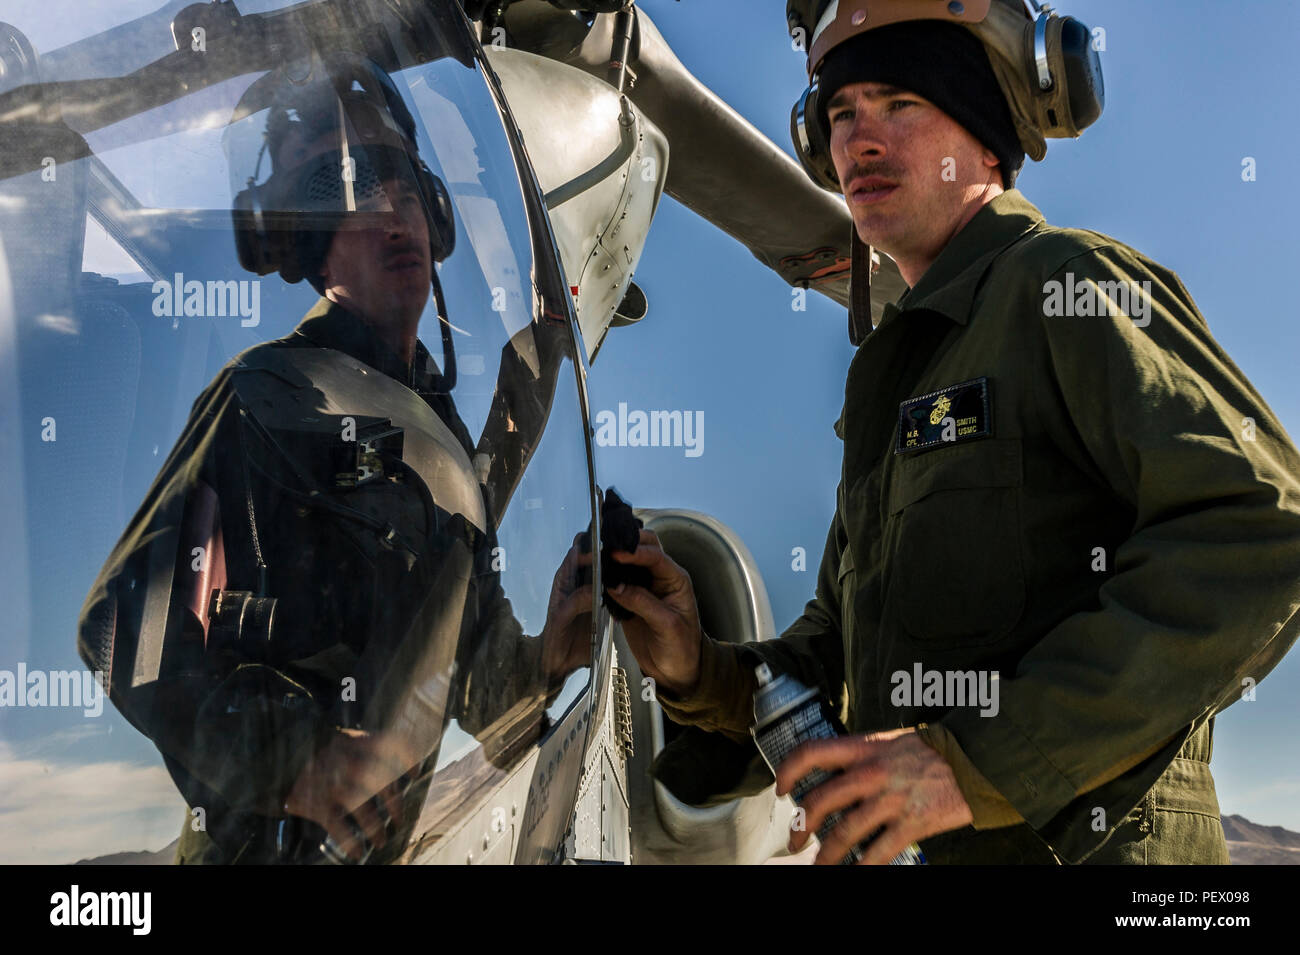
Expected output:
(1248, 844)
(1252, 844)
(164, 856)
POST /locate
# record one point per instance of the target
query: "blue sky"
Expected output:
(1190, 93)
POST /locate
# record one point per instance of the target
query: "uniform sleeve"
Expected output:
(722, 699)
(722, 703)
(1203, 594)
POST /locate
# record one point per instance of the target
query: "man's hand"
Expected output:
(353, 788)
(890, 779)
(665, 635)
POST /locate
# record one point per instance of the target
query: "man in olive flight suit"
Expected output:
(298, 667)
(1059, 497)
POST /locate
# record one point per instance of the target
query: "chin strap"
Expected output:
(860, 291)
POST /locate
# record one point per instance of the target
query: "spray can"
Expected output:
(787, 714)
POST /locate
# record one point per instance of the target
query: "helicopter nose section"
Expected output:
(602, 166)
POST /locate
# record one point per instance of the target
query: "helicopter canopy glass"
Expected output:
(352, 547)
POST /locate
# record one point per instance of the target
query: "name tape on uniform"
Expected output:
(956, 413)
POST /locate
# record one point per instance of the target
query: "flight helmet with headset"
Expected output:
(336, 132)
(333, 138)
(1045, 66)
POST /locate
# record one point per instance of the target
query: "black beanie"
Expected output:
(943, 62)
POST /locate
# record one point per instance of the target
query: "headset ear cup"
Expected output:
(811, 144)
(292, 255)
(1076, 97)
(304, 252)
(269, 242)
(1085, 91)
(252, 244)
(442, 217)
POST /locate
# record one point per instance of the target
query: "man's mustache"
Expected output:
(406, 248)
(886, 170)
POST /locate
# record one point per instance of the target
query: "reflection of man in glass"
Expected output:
(306, 596)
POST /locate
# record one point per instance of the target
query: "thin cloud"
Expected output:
(52, 813)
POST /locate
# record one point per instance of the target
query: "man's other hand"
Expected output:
(665, 634)
(890, 779)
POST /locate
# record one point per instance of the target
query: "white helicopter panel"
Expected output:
(602, 165)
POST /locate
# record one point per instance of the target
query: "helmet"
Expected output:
(333, 139)
(1046, 66)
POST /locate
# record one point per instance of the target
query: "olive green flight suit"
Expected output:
(1105, 512)
(236, 728)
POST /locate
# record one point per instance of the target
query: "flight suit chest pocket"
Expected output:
(953, 572)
